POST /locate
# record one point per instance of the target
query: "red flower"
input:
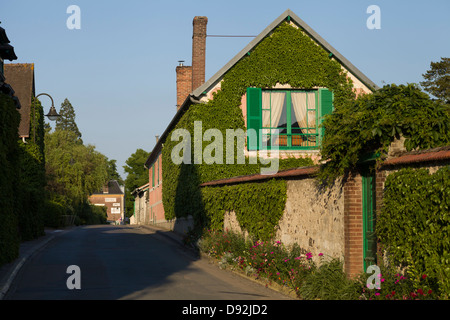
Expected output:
(420, 291)
(430, 291)
(424, 276)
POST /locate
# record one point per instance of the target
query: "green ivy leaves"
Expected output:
(414, 223)
(373, 121)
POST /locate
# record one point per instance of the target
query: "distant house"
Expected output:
(112, 197)
(141, 209)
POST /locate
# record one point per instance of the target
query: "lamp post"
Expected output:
(52, 115)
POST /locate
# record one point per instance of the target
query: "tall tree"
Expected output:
(74, 171)
(437, 80)
(66, 120)
(137, 175)
(112, 172)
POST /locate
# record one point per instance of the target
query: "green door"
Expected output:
(368, 202)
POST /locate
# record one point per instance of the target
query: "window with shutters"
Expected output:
(286, 119)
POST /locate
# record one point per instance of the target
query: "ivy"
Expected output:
(414, 224)
(372, 121)
(9, 182)
(287, 56)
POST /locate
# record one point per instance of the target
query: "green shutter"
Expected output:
(325, 106)
(369, 218)
(153, 175)
(254, 117)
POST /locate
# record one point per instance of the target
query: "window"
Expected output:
(288, 119)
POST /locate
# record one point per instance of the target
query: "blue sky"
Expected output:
(118, 70)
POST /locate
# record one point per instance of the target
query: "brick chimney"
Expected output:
(198, 51)
(184, 83)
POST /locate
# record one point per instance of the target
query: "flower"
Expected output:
(320, 254)
(424, 276)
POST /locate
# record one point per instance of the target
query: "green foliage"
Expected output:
(329, 282)
(437, 80)
(91, 214)
(137, 176)
(258, 206)
(74, 170)
(373, 121)
(287, 56)
(32, 177)
(9, 180)
(288, 266)
(413, 224)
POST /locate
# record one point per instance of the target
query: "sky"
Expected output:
(118, 68)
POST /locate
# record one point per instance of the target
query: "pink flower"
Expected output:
(320, 254)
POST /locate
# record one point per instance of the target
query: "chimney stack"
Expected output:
(198, 51)
(184, 82)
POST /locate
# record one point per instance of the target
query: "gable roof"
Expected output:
(113, 188)
(288, 14)
(200, 91)
(21, 78)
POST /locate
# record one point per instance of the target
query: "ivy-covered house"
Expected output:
(277, 90)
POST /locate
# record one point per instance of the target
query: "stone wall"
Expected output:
(313, 218)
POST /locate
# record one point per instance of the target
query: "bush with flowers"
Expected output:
(309, 276)
(273, 262)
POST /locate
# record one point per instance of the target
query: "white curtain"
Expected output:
(300, 105)
(302, 101)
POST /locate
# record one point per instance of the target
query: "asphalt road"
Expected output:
(127, 262)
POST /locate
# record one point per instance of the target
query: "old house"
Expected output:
(280, 86)
(112, 197)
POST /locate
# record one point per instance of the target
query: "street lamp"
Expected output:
(52, 114)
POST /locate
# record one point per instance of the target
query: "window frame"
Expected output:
(289, 110)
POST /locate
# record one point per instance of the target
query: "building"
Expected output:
(140, 214)
(112, 197)
(283, 98)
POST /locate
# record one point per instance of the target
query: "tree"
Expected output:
(66, 121)
(112, 172)
(437, 80)
(137, 175)
(74, 171)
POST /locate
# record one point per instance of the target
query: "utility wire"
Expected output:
(229, 36)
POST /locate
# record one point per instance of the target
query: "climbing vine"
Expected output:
(413, 224)
(370, 124)
(287, 56)
(9, 185)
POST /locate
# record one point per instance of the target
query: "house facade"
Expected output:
(277, 89)
(112, 197)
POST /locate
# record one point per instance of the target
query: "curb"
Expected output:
(20, 261)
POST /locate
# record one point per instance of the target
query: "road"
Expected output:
(127, 262)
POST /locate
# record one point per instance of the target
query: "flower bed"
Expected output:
(309, 277)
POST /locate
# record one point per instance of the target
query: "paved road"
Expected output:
(127, 262)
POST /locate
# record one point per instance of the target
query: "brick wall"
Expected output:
(198, 51)
(353, 225)
(184, 83)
